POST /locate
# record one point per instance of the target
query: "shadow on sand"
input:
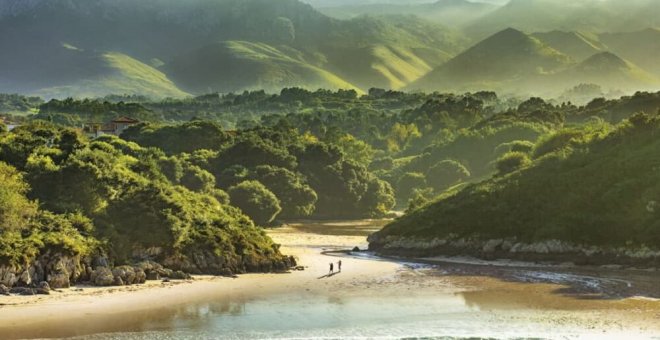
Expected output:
(329, 275)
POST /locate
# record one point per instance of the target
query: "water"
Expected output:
(383, 300)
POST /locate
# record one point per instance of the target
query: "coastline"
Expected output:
(550, 252)
(482, 288)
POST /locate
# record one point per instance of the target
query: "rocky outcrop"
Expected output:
(207, 262)
(555, 251)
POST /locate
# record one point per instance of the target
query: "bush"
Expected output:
(512, 161)
(256, 201)
(446, 173)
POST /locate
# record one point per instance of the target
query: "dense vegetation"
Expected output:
(114, 197)
(174, 186)
(593, 184)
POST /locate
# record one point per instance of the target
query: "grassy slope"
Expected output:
(577, 45)
(609, 71)
(119, 74)
(238, 65)
(601, 188)
(506, 56)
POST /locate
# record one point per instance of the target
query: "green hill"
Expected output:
(584, 15)
(507, 56)
(577, 45)
(241, 65)
(641, 47)
(118, 74)
(610, 71)
(220, 45)
(558, 206)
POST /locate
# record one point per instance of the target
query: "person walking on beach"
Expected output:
(332, 265)
(339, 266)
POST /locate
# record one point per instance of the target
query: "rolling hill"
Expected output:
(496, 62)
(221, 45)
(640, 47)
(610, 72)
(585, 15)
(231, 65)
(577, 45)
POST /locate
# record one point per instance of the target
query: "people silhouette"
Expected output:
(332, 265)
(339, 266)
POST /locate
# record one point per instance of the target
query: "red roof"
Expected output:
(125, 120)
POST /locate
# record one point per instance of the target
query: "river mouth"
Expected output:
(372, 298)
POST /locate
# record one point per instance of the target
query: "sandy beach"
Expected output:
(493, 296)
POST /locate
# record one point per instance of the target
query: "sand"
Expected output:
(89, 310)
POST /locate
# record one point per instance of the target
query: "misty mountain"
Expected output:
(596, 16)
(577, 45)
(641, 47)
(276, 43)
(452, 13)
(507, 56)
(610, 72)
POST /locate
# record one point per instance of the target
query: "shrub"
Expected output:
(256, 201)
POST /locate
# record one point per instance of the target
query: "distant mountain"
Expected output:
(507, 56)
(452, 13)
(577, 45)
(641, 47)
(584, 15)
(265, 43)
(610, 72)
(119, 74)
(231, 65)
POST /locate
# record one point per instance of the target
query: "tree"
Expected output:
(446, 173)
(512, 161)
(15, 209)
(296, 197)
(408, 183)
(256, 201)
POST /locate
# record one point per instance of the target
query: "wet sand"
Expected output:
(482, 295)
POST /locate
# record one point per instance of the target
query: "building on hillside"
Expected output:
(114, 127)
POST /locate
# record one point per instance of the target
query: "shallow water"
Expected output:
(454, 300)
(331, 317)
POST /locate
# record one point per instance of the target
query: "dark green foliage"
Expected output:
(601, 190)
(296, 197)
(446, 173)
(15, 209)
(127, 196)
(408, 184)
(512, 161)
(256, 201)
(187, 137)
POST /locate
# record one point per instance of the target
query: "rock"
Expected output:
(140, 276)
(126, 274)
(299, 268)
(102, 277)
(22, 291)
(4, 290)
(59, 280)
(356, 249)
(179, 275)
(153, 275)
(26, 278)
(43, 288)
(492, 245)
(117, 281)
(226, 272)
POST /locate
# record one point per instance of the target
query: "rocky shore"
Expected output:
(56, 270)
(550, 251)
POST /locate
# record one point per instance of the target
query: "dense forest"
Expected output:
(187, 194)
